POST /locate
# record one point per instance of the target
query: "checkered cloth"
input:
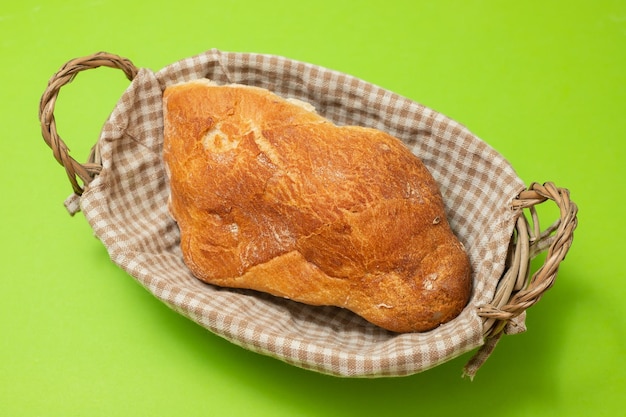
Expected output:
(126, 205)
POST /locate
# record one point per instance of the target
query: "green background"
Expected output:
(542, 82)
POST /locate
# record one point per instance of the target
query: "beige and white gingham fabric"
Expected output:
(126, 207)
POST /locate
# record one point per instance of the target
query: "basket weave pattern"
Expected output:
(125, 192)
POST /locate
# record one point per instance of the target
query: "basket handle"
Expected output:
(75, 170)
(517, 290)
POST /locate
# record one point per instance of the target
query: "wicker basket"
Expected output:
(124, 188)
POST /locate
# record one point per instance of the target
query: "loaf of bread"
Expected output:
(270, 196)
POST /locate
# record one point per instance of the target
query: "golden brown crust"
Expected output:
(270, 196)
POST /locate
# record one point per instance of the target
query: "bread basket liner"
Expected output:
(125, 191)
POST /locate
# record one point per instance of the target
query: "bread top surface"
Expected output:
(270, 196)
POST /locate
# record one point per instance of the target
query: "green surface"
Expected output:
(542, 82)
